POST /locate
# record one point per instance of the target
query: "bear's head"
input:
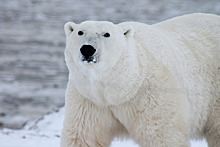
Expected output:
(101, 58)
(96, 42)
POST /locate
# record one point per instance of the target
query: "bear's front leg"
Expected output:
(86, 124)
(155, 122)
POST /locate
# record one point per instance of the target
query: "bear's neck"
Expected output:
(122, 82)
(114, 86)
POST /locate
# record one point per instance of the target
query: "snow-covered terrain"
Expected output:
(46, 132)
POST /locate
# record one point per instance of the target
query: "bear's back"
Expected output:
(189, 46)
(200, 33)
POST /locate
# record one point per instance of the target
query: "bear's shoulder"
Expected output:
(191, 20)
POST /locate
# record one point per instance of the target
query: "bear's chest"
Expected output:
(92, 87)
(106, 88)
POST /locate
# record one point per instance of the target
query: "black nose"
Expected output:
(87, 50)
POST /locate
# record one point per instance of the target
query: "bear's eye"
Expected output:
(80, 33)
(106, 35)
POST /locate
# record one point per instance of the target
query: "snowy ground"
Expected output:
(46, 132)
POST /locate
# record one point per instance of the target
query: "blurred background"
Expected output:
(33, 74)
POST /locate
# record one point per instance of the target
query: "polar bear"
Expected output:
(157, 84)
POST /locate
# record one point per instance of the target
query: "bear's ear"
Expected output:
(69, 28)
(128, 31)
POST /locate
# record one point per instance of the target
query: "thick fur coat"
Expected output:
(157, 84)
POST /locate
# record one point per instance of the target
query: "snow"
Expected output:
(46, 131)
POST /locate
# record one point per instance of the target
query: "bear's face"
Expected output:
(95, 44)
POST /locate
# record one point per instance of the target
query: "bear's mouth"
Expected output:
(88, 54)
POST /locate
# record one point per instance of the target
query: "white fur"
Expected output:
(158, 84)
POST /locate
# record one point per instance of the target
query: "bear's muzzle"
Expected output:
(88, 54)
